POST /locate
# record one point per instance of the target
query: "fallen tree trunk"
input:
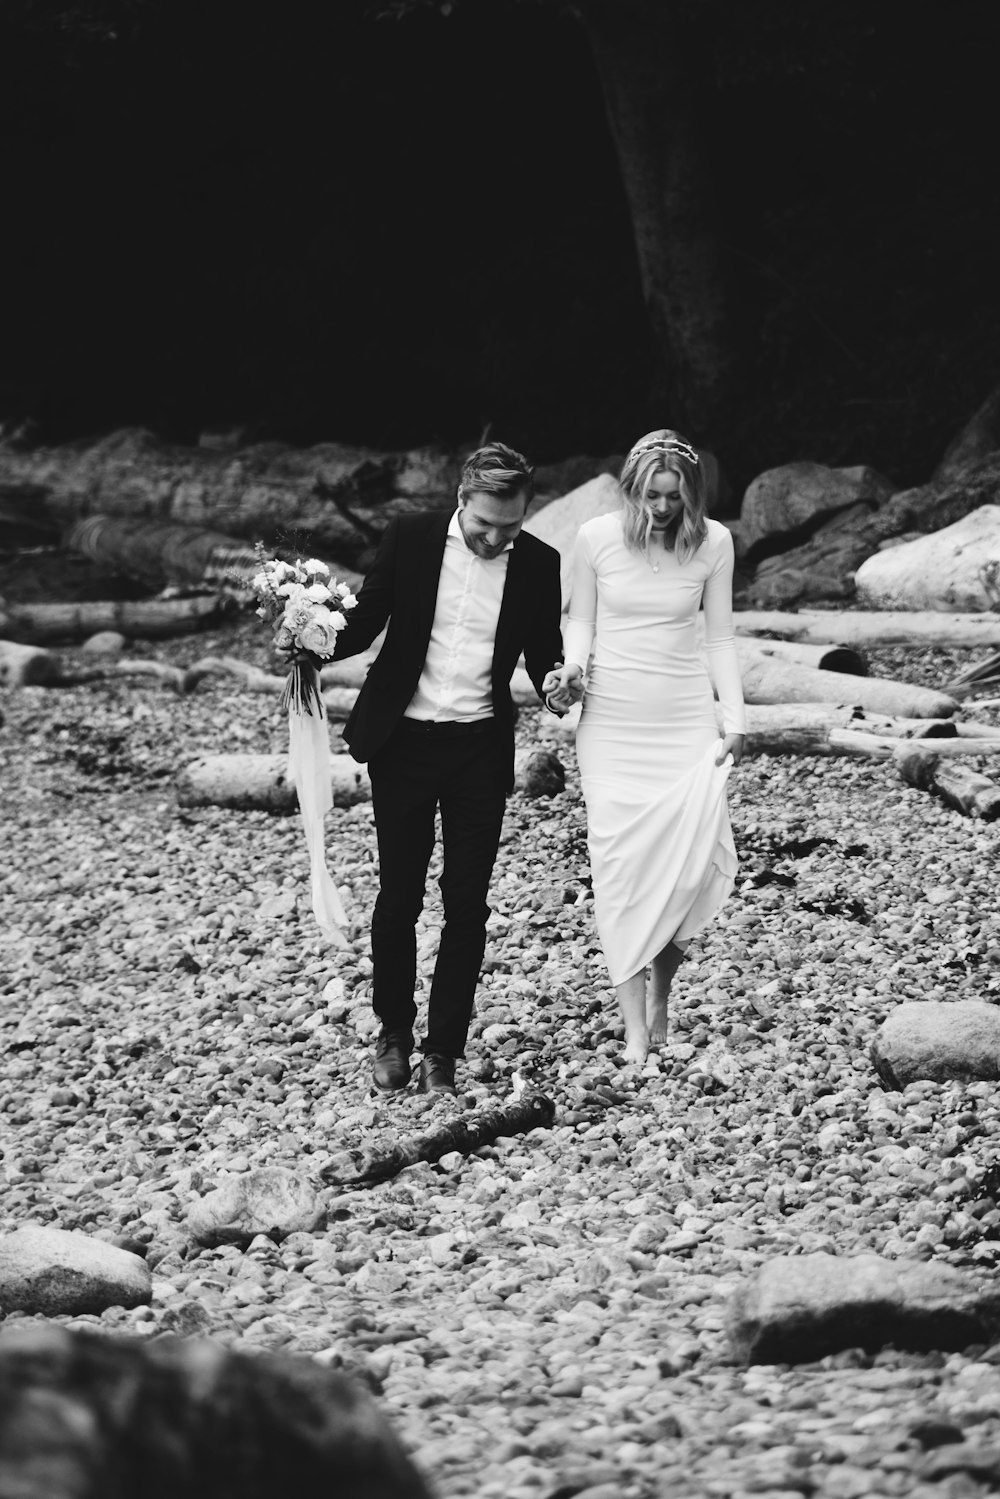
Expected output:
(259, 783)
(871, 627)
(168, 676)
(250, 678)
(834, 658)
(338, 498)
(881, 747)
(767, 679)
(39, 624)
(164, 553)
(465, 1133)
(970, 793)
(806, 728)
(812, 728)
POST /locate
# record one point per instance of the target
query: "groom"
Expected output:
(464, 593)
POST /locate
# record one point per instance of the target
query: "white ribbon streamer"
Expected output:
(309, 772)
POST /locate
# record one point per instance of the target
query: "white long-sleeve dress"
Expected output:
(661, 846)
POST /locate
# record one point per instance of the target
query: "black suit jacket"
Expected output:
(401, 588)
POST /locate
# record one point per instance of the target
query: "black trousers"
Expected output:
(463, 769)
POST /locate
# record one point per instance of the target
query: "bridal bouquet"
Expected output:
(307, 609)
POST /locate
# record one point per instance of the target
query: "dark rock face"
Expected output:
(85, 1417)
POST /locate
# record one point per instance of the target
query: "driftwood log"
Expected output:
(164, 552)
(821, 657)
(821, 729)
(464, 1133)
(965, 789)
(884, 747)
(768, 679)
(83, 1415)
(45, 624)
(809, 728)
(259, 783)
(330, 500)
(871, 627)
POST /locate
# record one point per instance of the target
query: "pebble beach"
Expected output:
(549, 1316)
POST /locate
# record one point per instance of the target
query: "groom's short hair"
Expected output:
(499, 470)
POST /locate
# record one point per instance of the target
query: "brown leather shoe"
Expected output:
(392, 1060)
(437, 1074)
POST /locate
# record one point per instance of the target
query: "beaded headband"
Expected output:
(671, 444)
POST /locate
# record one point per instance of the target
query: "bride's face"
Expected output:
(664, 500)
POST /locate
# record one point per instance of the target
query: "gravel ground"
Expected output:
(547, 1317)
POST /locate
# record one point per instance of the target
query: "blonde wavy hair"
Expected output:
(659, 451)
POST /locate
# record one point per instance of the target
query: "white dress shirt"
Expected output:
(455, 684)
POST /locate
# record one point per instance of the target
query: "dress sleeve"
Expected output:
(720, 642)
(578, 638)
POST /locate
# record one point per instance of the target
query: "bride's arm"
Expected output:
(578, 641)
(720, 642)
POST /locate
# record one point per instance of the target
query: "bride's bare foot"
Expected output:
(636, 1048)
(656, 1019)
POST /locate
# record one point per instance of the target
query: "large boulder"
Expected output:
(798, 1308)
(787, 504)
(939, 1040)
(270, 1200)
(53, 1271)
(956, 569)
(84, 1415)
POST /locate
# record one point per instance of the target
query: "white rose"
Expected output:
(297, 615)
(316, 567)
(337, 620)
(318, 593)
(318, 637)
(347, 599)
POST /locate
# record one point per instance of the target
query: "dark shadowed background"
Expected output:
(318, 226)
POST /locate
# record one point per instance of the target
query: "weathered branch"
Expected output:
(464, 1133)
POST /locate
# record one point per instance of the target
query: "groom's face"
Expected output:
(490, 523)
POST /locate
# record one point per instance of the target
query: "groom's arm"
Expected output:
(370, 615)
(543, 648)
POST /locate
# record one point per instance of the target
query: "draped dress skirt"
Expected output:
(661, 845)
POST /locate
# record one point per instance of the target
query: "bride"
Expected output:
(653, 763)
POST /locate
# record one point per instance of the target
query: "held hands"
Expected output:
(732, 744)
(562, 687)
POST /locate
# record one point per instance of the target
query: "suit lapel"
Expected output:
(427, 570)
(512, 591)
